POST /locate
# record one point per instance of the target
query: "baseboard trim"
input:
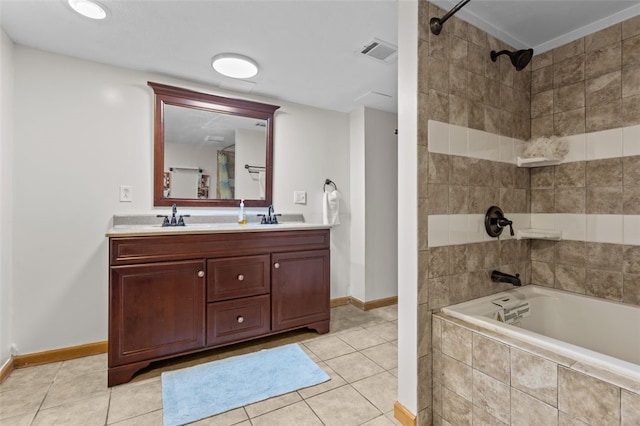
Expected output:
(403, 415)
(340, 301)
(365, 306)
(57, 355)
(6, 369)
(373, 304)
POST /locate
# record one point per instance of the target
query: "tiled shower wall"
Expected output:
(589, 85)
(460, 85)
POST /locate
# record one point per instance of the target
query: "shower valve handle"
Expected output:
(503, 222)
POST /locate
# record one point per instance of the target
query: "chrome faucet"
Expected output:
(501, 277)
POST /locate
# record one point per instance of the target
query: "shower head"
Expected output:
(520, 59)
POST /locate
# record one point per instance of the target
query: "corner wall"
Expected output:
(374, 205)
(6, 195)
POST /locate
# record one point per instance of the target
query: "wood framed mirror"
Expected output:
(211, 151)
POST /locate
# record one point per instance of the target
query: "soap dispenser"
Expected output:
(242, 217)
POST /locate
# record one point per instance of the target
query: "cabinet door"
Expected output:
(155, 310)
(299, 288)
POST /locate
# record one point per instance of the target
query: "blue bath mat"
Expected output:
(197, 392)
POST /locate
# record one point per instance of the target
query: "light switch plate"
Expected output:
(299, 197)
(126, 194)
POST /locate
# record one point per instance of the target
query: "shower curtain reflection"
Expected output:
(226, 170)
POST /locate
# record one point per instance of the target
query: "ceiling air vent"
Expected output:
(380, 50)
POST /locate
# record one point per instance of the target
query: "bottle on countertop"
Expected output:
(242, 217)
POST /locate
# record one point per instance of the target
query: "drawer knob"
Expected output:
(240, 277)
(201, 274)
(276, 265)
(240, 319)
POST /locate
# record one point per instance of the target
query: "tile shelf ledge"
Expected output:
(536, 162)
(539, 234)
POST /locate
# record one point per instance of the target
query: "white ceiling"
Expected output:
(307, 50)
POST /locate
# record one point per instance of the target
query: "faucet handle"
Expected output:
(165, 222)
(181, 219)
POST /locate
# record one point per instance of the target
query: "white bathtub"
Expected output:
(583, 328)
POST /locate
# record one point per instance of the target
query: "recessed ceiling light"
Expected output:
(234, 65)
(88, 8)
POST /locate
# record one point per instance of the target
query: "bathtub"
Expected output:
(587, 329)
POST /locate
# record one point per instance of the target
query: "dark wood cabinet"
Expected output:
(177, 294)
(298, 293)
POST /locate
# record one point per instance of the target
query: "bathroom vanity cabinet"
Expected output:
(177, 294)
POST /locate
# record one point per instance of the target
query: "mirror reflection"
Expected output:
(209, 155)
(211, 150)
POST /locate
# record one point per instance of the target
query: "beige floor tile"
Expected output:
(72, 389)
(385, 355)
(381, 390)
(328, 347)
(343, 406)
(354, 367)
(134, 399)
(82, 366)
(387, 331)
(335, 382)
(292, 415)
(393, 419)
(39, 374)
(309, 353)
(272, 404)
(360, 338)
(21, 420)
(24, 400)
(77, 388)
(379, 421)
(237, 416)
(150, 419)
(388, 313)
(88, 412)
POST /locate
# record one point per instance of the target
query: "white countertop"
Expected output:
(208, 228)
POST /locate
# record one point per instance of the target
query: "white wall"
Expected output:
(381, 206)
(407, 204)
(357, 172)
(81, 130)
(6, 194)
(250, 149)
(374, 212)
(194, 156)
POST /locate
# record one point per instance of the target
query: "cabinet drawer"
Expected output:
(238, 319)
(235, 277)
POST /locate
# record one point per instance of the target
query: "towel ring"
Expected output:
(329, 182)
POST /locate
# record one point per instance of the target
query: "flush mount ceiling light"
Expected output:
(234, 65)
(88, 8)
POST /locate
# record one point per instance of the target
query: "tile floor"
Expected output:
(360, 355)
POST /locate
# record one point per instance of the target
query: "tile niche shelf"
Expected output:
(539, 234)
(536, 162)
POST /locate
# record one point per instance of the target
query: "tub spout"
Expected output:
(501, 277)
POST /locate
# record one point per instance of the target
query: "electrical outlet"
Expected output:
(126, 194)
(299, 197)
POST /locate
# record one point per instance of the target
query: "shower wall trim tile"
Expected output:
(449, 230)
(452, 139)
